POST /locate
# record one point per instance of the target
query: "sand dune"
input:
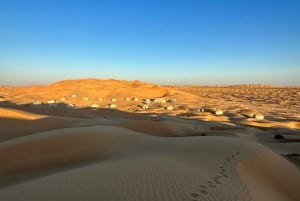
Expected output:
(17, 114)
(92, 88)
(281, 182)
(152, 168)
(13, 128)
(52, 152)
(148, 127)
(272, 124)
(59, 148)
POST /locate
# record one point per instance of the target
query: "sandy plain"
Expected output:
(78, 148)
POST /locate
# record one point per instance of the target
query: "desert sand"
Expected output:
(64, 142)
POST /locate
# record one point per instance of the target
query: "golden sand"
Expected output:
(55, 152)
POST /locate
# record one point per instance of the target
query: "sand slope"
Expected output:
(270, 177)
(17, 114)
(144, 167)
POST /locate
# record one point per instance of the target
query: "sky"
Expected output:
(203, 42)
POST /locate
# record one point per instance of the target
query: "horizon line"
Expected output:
(154, 83)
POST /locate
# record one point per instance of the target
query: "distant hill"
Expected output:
(91, 88)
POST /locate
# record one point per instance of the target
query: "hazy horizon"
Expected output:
(162, 42)
(155, 83)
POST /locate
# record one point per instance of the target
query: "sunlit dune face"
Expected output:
(17, 114)
(273, 124)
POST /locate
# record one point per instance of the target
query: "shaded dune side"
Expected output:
(176, 129)
(270, 176)
(149, 127)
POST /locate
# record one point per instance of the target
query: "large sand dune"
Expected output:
(61, 153)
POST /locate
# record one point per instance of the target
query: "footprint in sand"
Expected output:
(222, 172)
(195, 195)
(216, 180)
(203, 191)
(225, 175)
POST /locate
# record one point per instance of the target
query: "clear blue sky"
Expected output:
(160, 41)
